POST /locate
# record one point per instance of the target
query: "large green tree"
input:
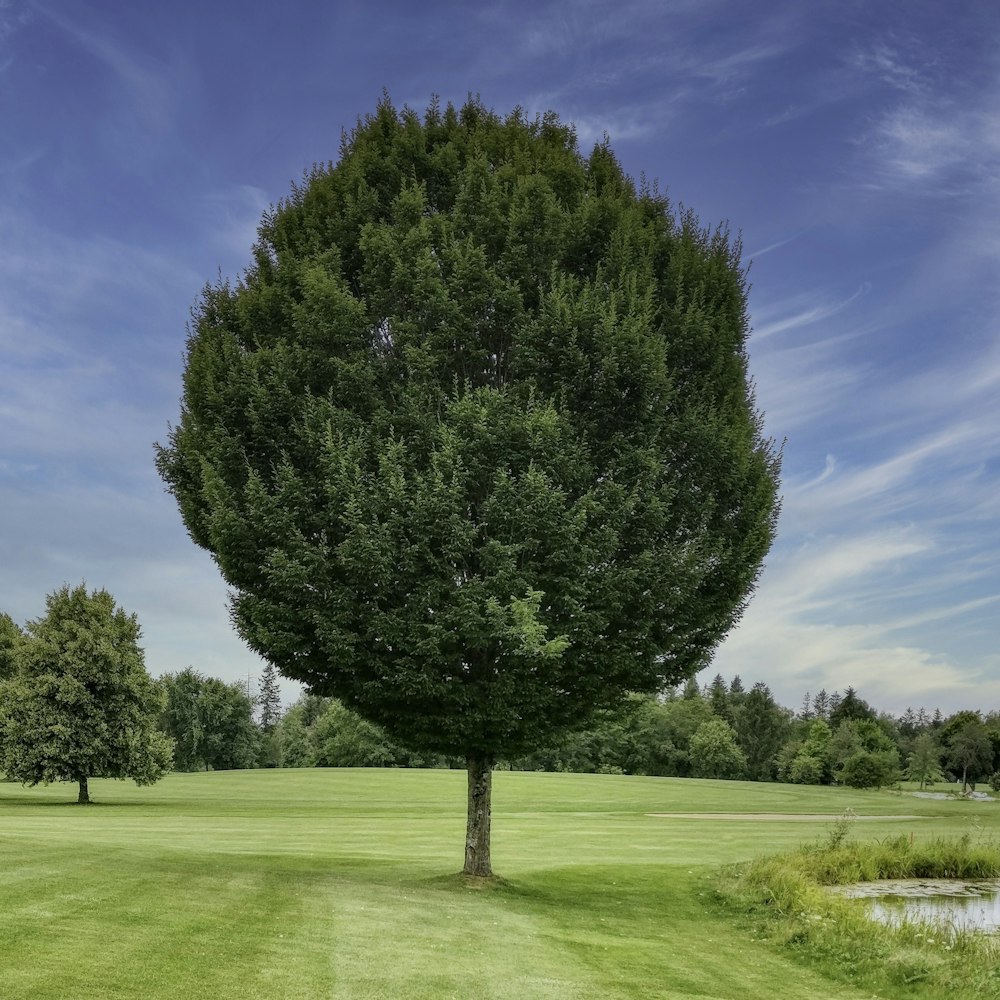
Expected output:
(472, 440)
(80, 703)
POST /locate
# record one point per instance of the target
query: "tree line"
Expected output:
(77, 702)
(719, 730)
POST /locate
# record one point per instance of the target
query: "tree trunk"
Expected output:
(965, 774)
(477, 831)
(83, 798)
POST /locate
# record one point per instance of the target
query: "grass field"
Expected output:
(340, 883)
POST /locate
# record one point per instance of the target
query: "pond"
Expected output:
(952, 904)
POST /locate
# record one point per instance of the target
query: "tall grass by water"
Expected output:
(784, 898)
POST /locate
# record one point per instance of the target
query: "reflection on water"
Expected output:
(949, 903)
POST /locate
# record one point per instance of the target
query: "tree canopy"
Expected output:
(80, 703)
(210, 722)
(472, 440)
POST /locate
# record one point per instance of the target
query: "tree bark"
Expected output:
(477, 831)
(84, 797)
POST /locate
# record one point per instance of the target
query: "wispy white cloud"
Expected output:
(891, 67)
(812, 313)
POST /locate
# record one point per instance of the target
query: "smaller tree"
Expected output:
(80, 703)
(850, 708)
(715, 752)
(821, 705)
(811, 765)
(924, 762)
(971, 752)
(210, 721)
(863, 755)
(870, 769)
(269, 698)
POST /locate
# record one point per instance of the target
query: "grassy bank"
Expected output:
(340, 883)
(785, 900)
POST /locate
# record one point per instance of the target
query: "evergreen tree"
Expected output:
(806, 712)
(80, 703)
(761, 726)
(718, 698)
(850, 708)
(473, 441)
(834, 704)
(821, 705)
(269, 698)
(691, 690)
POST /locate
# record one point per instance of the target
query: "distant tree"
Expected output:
(971, 752)
(473, 440)
(907, 724)
(812, 764)
(691, 689)
(680, 720)
(211, 722)
(807, 770)
(341, 738)
(718, 698)
(269, 698)
(954, 723)
(864, 769)
(294, 745)
(81, 704)
(924, 762)
(834, 704)
(181, 717)
(736, 691)
(761, 726)
(821, 705)
(863, 755)
(654, 732)
(851, 707)
(230, 740)
(807, 713)
(714, 751)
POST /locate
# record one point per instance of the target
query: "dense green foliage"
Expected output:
(210, 722)
(472, 440)
(79, 702)
(11, 636)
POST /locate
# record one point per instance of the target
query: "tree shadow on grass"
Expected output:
(37, 803)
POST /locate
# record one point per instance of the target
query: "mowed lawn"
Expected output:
(341, 883)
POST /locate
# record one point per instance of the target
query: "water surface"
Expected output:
(952, 904)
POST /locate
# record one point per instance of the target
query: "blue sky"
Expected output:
(856, 146)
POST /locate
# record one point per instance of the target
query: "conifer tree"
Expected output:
(473, 441)
(269, 699)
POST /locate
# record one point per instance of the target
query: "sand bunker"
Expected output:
(778, 817)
